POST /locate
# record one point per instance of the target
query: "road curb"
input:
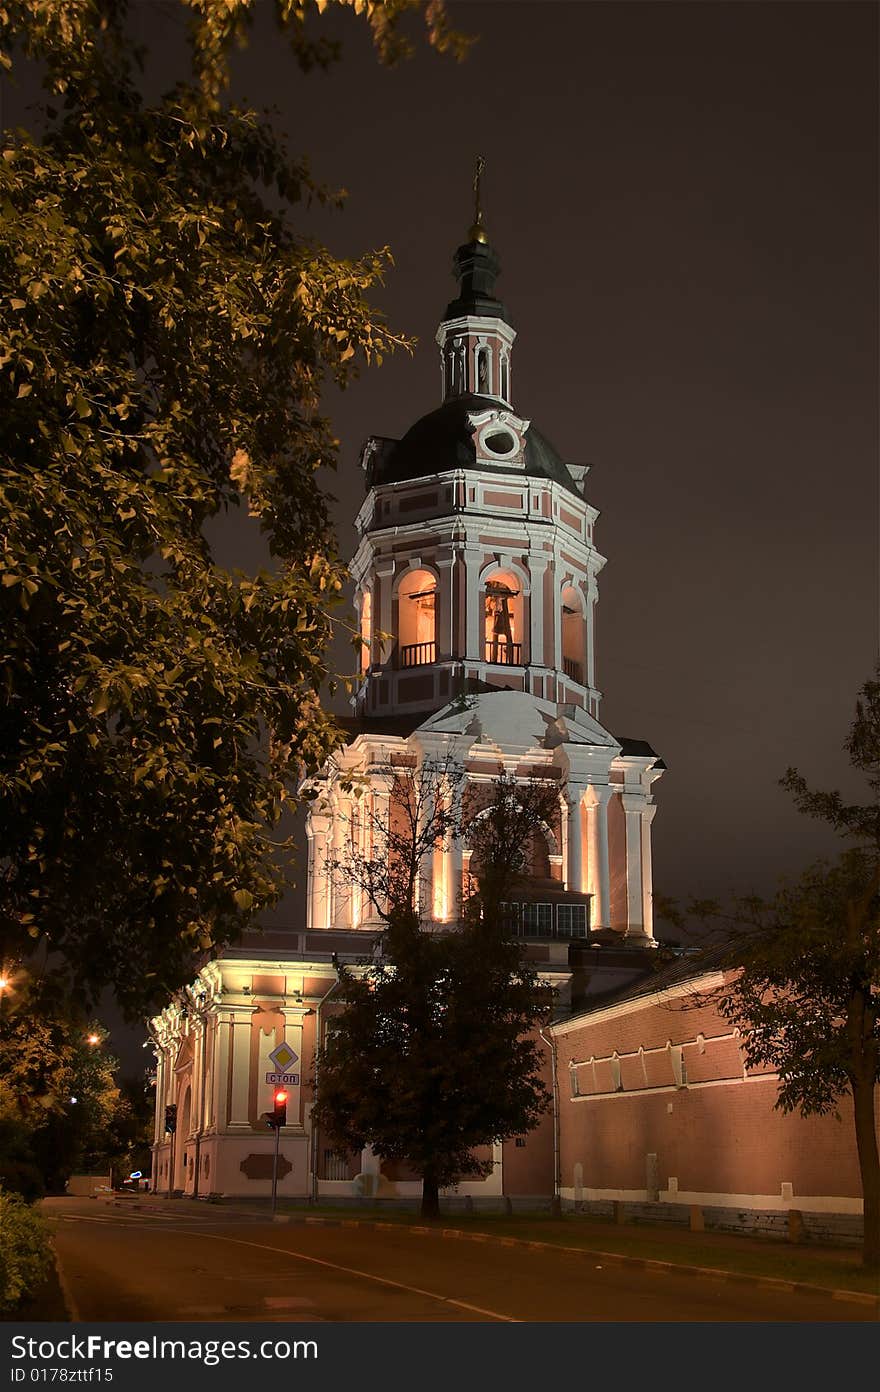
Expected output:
(715, 1273)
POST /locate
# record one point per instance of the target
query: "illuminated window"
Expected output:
(416, 618)
(574, 636)
(503, 619)
(366, 629)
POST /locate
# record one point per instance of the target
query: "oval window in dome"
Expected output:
(500, 442)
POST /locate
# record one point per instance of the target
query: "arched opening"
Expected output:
(505, 378)
(416, 619)
(503, 619)
(483, 371)
(574, 636)
(366, 630)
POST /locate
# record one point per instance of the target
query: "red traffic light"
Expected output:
(280, 1096)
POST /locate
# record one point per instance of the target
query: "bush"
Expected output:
(25, 1251)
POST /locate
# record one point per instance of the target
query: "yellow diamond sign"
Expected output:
(283, 1057)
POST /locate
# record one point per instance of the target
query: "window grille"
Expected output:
(571, 920)
(335, 1165)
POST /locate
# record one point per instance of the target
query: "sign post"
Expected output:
(275, 1170)
(277, 1119)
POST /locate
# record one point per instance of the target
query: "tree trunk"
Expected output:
(430, 1197)
(869, 1163)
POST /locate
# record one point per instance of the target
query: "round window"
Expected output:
(500, 442)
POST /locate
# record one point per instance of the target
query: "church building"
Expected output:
(476, 588)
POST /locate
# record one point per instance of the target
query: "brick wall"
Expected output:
(665, 1078)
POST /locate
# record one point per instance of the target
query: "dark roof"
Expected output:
(639, 748)
(689, 966)
(402, 725)
(443, 440)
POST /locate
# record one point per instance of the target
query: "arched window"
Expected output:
(416, 619)
(366, 630)
(483, 371)
(503, 619)
(458, 372)
(574, 636)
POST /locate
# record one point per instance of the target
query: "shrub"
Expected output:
(25, 1251)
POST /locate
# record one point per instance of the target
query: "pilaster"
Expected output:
(599, 795)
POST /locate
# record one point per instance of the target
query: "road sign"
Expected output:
(283, 1079)
(282, 1057)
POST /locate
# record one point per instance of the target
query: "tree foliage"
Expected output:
(165, 331)
(434, 1053)
(61, 1109)
(806, 989)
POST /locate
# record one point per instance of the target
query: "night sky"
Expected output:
(684, 200)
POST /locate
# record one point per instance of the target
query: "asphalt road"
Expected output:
(144, 1264)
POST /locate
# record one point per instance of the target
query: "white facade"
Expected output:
(476, 587)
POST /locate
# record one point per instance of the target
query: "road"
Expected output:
(147, 1264)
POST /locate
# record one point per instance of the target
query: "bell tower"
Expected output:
(476, 567)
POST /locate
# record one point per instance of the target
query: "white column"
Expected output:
(446, 567)
(341, 831)
(159, 1119)
(474, 646)
(241, 1067)
(600, 886)
(633, 805)
(454, 859)
(648, 812)
(384, 572)
(318, 826)
(556, 592)
(592, 596)
(219, 1092)
(537, 569)
(574, 879)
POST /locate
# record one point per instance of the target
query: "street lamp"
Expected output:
(93, 1039)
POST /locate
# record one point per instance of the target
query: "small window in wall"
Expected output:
(520, 1142)
(573, 1078)
(679, 1066)
(616, 1082)
(505, 374)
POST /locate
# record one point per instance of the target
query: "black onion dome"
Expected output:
(443, 440)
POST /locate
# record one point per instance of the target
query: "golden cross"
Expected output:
(478, 174)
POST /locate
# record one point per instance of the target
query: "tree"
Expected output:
(164, 335)
(60, 1106)
(434, 1052)
(806, 993)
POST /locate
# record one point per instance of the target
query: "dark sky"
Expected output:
(684, 199)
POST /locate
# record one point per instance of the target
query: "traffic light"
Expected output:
(171, 1118)
(279, 1109)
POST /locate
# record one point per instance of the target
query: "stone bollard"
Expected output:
(797, 1231)
(698, 1222)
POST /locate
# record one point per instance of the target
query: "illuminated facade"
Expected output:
(476, 587)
